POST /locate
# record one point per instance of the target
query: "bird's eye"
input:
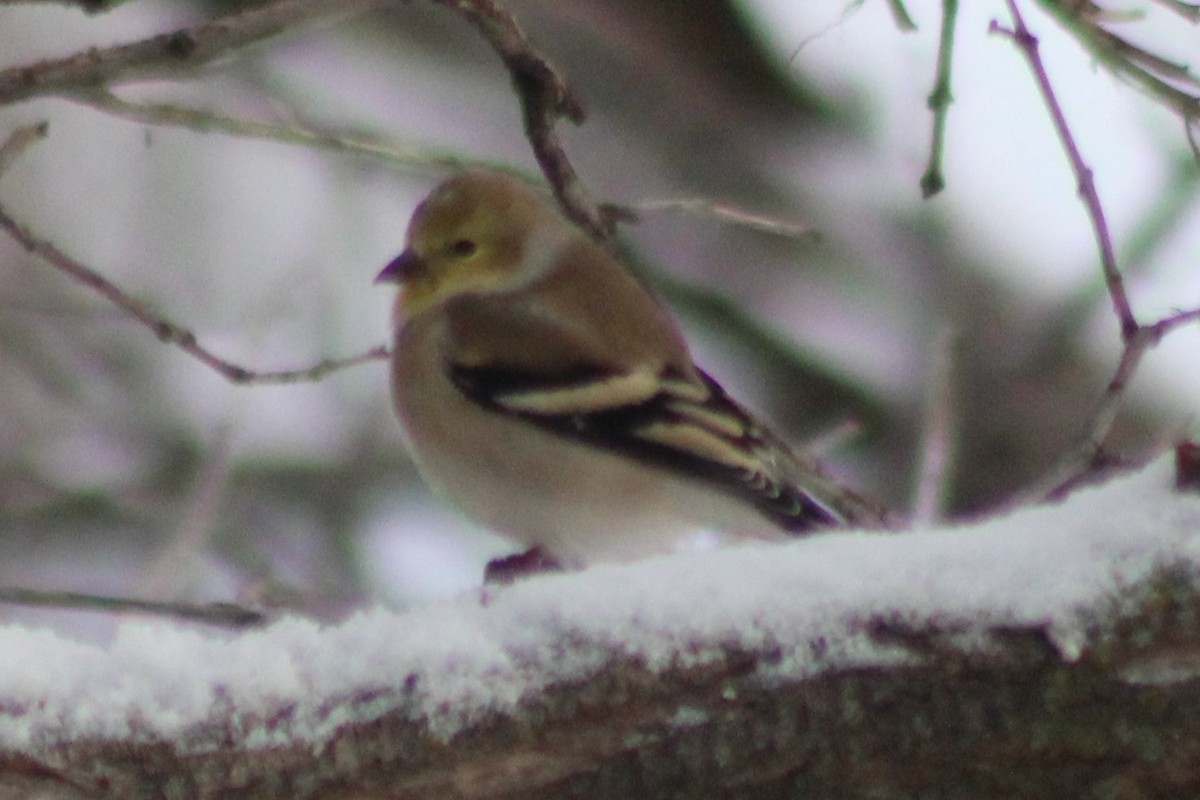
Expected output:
(464, 247)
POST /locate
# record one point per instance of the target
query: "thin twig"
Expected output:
(938, 435)
(202, 121)
(545, 97)
(1189, 11)
(1150, 73)
(89, 6)
(410, 157)
(832, 439)
(172, 54)
(19, 141)
(229, 614)
(934, 179)
(902, 18)
(1027, 43)
(543, 93)
(183, 548)
(1088, 451)
(164, 329)
(704, 207)
(795, 364)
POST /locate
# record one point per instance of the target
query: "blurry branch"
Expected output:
(19, 141)
(409, 156)
(545, 97)
(900, 14)
(182, 549)
(724, 212)
(228, 614)
(938, 434)
(169, 55)
(87, 78)
(933, 181)
(834, 438)
(1171, 84)
(1088, 454)
(1137, 338)
(717, 306)
(1169, 208)
(202, 121)
(802, 372)
(543, 93)
(90, 6)
(1189, 11)
(165, 330)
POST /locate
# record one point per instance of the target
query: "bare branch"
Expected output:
(1027, 43)
(164, 329)
(89, 6)
(201, 121)
(545, 97)
(1189, 11)
(543, 93)
(170, 54)
(1150, 73)
(1088, 454)
(705, 207)
(938, 435)
(19, 141)
(900, 15)
(228, 614)
(933, 181)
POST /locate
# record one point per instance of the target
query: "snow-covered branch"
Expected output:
(1032, 656)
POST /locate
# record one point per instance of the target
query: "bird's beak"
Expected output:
(402, 268)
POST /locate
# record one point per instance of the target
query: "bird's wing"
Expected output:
(655, 407)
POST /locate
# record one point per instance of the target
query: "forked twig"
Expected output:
(1137, 339)
(163, 328)
(1088, 452)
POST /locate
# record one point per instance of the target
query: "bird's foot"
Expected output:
(503, 571)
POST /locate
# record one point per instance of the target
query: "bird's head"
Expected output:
(478, 232)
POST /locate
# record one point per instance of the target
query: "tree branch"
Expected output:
(1027, 43)
(545, 97)
(934, 180)
(163, 328)
(1087, 455)
(172, 54)
(227, 614)
(745, 673)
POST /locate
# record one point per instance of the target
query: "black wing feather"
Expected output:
(622, 429)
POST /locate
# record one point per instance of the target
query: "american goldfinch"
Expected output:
(546, 393)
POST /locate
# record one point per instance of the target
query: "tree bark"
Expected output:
(963, 713)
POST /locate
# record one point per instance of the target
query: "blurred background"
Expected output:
(127, 467)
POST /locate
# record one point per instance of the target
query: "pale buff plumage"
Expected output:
(547, 394)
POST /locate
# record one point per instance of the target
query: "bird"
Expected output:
(544, 391)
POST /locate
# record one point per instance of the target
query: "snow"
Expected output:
(1058, 567)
